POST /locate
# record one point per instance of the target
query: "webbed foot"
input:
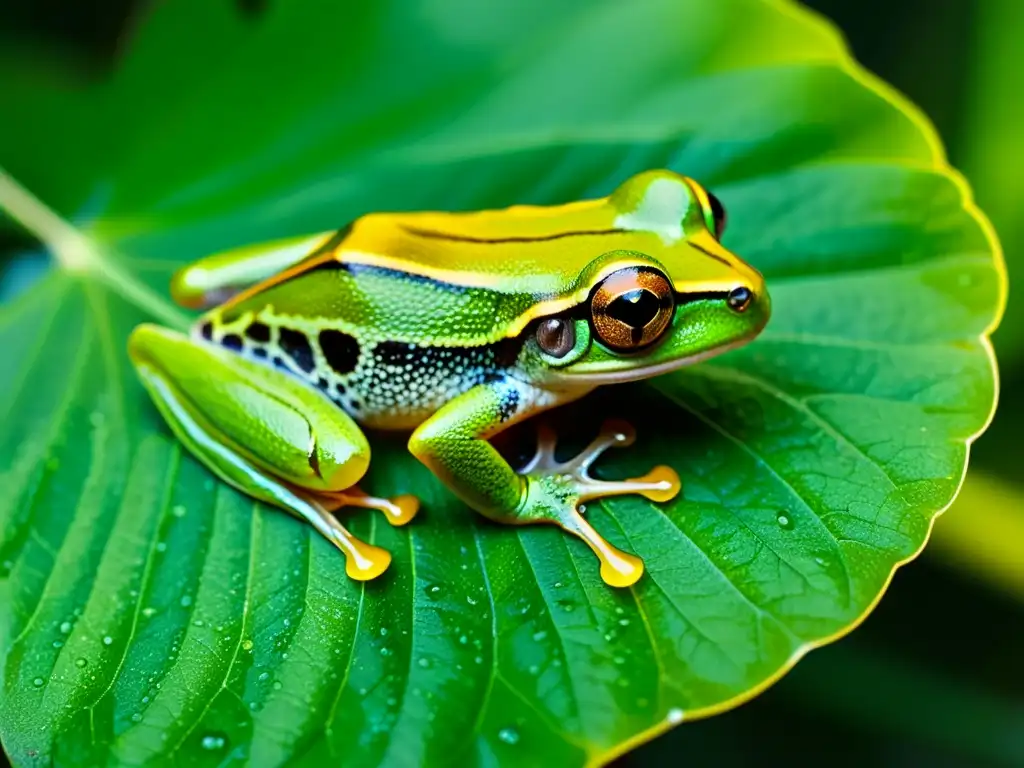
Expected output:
(556, 492)
(363, 561)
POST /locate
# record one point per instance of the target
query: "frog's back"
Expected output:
(446, 278)
(399, 312)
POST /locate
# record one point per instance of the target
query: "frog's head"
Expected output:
(682, 299)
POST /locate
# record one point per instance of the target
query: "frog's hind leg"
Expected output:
(216, 278)
(259, 430)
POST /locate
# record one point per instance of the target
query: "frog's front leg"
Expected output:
(453, 444)
(266, 434)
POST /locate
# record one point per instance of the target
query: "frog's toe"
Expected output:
(363, 561)
(398, 510)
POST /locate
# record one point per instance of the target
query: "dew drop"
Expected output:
(247, 644)
(463, 639)
(624, 622)
(784, 521)
(383, 631)
(186, 601)
(108, 640)
(149, 612)
(675, 715)
(509, 735)
(65, 627)
(81, 663)
(264, 675)
(470, 600)
(178, 510)
(212, 741)
(38, 682)
(424, 662)
(539, 635)
(161, 546)
(277, 685)
(137, 717)
(57, 644)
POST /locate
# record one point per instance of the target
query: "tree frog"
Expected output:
(453, 326)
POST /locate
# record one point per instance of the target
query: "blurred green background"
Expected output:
(935, 676)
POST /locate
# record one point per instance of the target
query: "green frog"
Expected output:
(454, 326)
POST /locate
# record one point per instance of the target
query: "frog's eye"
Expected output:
(631, 308)
(715, 216)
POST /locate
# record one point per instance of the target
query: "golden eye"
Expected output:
(632, 307)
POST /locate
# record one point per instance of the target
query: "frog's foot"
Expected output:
(362, 561)
(398, 511)
(556, 492)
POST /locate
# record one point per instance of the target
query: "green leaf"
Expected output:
(151, 614)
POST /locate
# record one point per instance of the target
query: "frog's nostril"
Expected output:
(739, 299)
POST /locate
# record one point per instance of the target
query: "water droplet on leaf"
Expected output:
(212, 741)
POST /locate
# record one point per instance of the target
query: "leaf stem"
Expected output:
(76, 253)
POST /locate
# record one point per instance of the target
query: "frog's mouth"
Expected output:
(591, 377)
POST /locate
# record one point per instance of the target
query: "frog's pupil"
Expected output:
(635, 308)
